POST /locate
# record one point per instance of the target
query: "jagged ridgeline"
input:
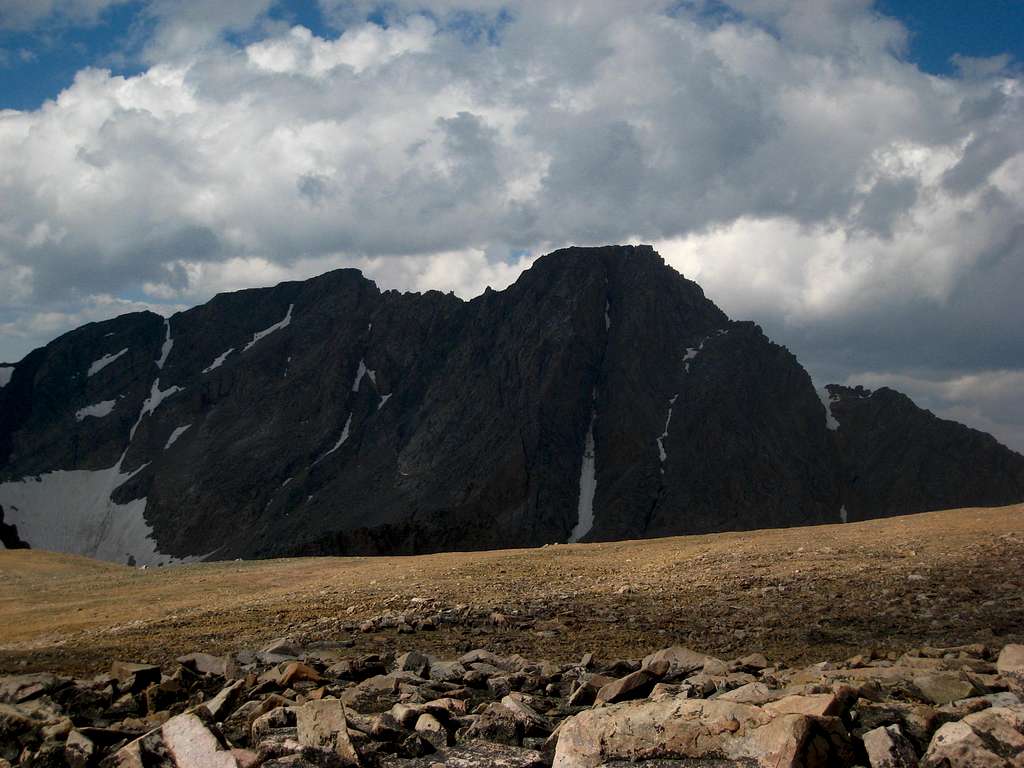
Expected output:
(601, 396)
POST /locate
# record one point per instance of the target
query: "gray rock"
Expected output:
(322, 724)
(888, 748)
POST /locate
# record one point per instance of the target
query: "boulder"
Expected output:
(375, 694)
(414, 662)
(15, 689)
(432, 731)
(134, 677)
(681, 661)
(636, 685)
(694, 729)
(816, 704)
(190, 744)
(942, 687)
(1010, 665)
(992, 737)
(534, 724)
(322, 724)
(79, 750)
(205, 664)
(887, 747)
(222, 703)
(499, 724)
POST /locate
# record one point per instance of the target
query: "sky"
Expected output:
(848, 173)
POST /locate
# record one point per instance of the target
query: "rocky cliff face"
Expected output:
(601, 396)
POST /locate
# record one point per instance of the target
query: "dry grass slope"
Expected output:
(797, 594)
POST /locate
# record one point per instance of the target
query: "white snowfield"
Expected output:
(156, 396)
(178, 432)
(6, 371)
(97, 411)
(831, 423)
(662, 455)
(588, 483)
(360, 373)
(71, 511)
(103, 362)
(275, 327)
(341, 440)
(219, 361)
(165, 350)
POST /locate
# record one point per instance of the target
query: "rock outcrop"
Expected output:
(601, 396)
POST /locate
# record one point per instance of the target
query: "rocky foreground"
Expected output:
(321, 705)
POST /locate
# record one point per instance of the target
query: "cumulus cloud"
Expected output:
(786, 155)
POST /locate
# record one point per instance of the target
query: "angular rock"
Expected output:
(633, 686)
(222, 703)
(992, 737)
(534, 724)
(413, 662)
(79, 750)
(322, 724)
(431, 730)
(375, 694)
(691, 729)
(205, 664)
(887, 747)
(1010, 665)
(499, 724)
(15, 689)
(238, 725)
(190, 744)
(681, 661)
(134, 677)
(815, 704)
(942, 687)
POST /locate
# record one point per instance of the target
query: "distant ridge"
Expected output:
(601, 396)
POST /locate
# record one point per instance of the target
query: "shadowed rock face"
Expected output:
(328, 417)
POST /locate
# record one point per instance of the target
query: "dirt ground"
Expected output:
(798, 594)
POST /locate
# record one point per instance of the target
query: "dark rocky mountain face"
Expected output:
(601, 396)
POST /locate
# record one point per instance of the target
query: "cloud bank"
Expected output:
(785, 155)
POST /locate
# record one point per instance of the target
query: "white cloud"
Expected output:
(787, 157)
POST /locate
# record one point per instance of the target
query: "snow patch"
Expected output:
(165, 350)
(842, 514)
(360, 373)
(692, 352)
(103, 362)
(178, 432)
(383, 401)
(607, 316)
(831, 423)
(156, 396)
(662, 455)
(71, 511)
(97, 411)
(6, 371)
(341, 440)
(275, 327)
(219, 361)
(588, 485)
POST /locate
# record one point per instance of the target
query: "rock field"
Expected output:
(319, 706)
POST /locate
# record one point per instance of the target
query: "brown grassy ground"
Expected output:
(797, 594)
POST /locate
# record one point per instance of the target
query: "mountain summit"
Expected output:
(601, 396)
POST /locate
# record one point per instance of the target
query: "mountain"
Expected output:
(600, 397)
